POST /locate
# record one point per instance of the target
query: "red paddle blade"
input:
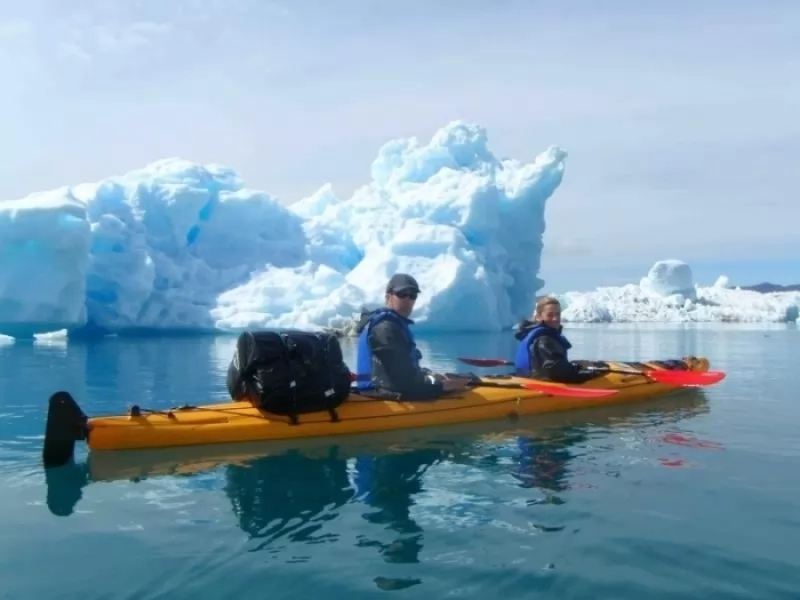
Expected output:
(686, 378)
(486, 362)
(569, 392)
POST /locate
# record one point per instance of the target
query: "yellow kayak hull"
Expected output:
(233, 422)
(188, 460)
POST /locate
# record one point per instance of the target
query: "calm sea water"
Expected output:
(694, 496)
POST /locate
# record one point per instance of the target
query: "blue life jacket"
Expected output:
(522, 360)
(363, 478)
(364, 357)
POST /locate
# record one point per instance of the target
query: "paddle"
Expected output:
(677, 378)
(551, 389)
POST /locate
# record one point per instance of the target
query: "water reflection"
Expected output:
(544, 463)
(388, 484)
(288, 496)
(542, 457)
(65, 488)
(286, 493)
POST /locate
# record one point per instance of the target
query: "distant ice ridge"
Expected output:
(668, 294)
(177, 245)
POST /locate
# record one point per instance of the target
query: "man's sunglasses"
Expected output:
(406, 295)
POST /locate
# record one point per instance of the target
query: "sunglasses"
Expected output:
(407, 295)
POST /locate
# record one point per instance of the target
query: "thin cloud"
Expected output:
(84, 37)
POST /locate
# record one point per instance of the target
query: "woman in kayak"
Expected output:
(542, 352)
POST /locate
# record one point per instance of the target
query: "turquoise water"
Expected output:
(693, 496)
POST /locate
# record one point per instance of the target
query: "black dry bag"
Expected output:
(289, 372)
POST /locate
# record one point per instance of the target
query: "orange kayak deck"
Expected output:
(232, 422)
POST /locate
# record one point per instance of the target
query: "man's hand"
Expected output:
(455, 383)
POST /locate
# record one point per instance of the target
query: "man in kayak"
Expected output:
(388, 357)
(542, 352)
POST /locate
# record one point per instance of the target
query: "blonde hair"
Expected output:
(544, 302)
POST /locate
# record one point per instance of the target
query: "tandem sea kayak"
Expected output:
(494, 397)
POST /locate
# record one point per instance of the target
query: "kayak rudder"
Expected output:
(66, 424)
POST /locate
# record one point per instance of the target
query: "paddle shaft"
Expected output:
(667, 376)
(492, 362)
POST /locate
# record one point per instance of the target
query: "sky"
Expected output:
(681, 118)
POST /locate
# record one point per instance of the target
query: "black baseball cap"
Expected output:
(401, 282)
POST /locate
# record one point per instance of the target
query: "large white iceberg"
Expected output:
(176, 245)
(668, 293)
(179, 246)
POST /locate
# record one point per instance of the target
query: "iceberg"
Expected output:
(176, 246)
(180, 246)
(668, 293)
(670, 278)
(44, 258)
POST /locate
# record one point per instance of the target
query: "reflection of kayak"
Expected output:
(241, 422)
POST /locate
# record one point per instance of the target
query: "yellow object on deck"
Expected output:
(242, 422)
